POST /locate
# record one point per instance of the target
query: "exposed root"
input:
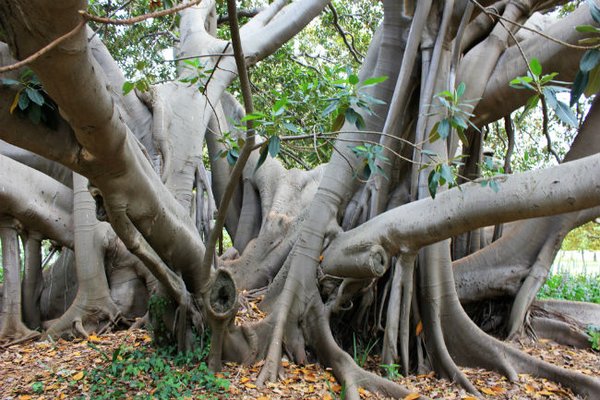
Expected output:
(84, 316)
(560, 332)
(350, 375)
(18, 336)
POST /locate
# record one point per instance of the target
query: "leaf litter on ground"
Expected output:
(65, 370)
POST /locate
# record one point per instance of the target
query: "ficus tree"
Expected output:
(136, 175)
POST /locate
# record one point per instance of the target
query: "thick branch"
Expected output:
(528, 195)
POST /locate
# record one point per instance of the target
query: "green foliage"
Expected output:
(350, 99)
(370, 155)
(31, 100)
(541, 85)
(158, 306)
(571, 287)
(153, 374)
(199, 74)
(587, 80)
(585, 237)
(454, 115)
(37, 387)
(147, 40)
(594, 334)
(440, 175)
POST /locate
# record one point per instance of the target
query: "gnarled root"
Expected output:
(85, 315)
(469, 346)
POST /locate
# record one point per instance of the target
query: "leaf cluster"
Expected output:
(454, 115)
(544, 87)
(31, 100)
(371, 155)
(587, 80)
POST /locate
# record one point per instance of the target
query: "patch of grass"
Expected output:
(572, 287)
(145, 373)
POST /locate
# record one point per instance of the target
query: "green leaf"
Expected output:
(445, 94)
(532, 102)
(594, 10)
(274, 146)
(433, 181)
(35, 96)
(127, 87)
(592, 41)
(231, 159)
(338, 122)
(351, 115)
(291, 127)
(590, 60)
(9, 82)
(252, 117)
(23, 101)
(593, 85)
(535, 66)
(373, 81)
(279, 106)
(264, 150)
(494, 185)
(579, 85)
(360, 122)
(433, 135)
(460, 90)
(547, 78)
(563, 112)
(353, 79)
(446, 173)
(331, 107)
(444, 128)
(587, 29)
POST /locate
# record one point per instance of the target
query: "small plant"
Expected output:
(594, 334)
(370, 154)
(37, 387)
(361, 351)
(392, 370)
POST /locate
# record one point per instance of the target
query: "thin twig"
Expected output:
(44, 49)
(140, 18)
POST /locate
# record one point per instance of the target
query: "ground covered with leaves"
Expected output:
(126, 365)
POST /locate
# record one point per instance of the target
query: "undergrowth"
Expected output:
(147, 373)
(571, 287)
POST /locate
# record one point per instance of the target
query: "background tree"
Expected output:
(357, 246)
